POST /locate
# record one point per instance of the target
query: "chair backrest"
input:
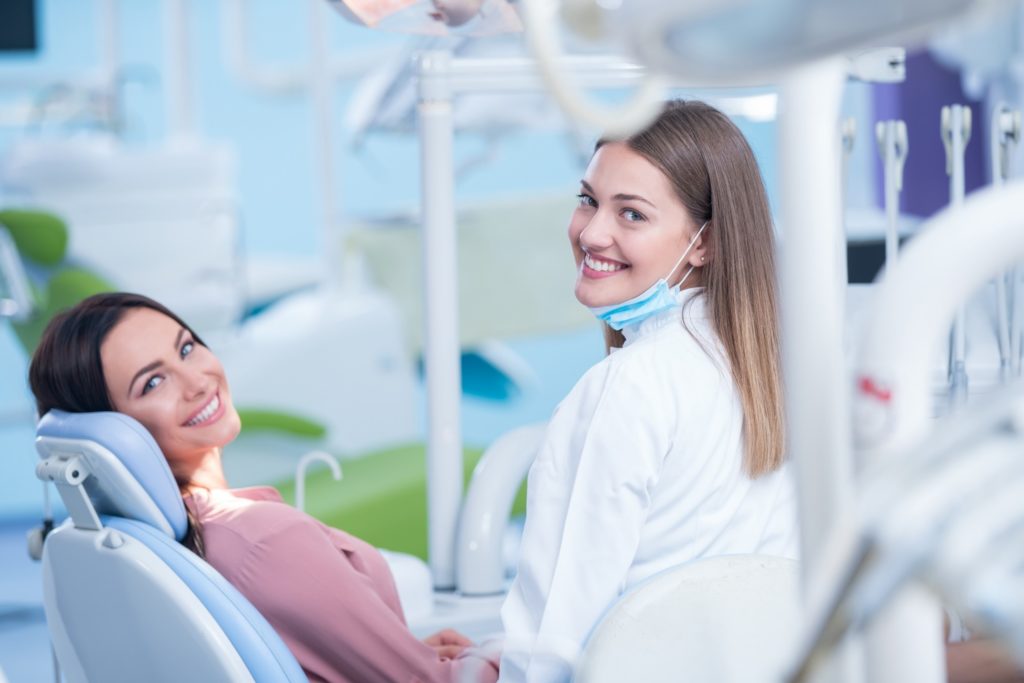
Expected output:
(124, 600)
(725, 619)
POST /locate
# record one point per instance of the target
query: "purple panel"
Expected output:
(919, 101)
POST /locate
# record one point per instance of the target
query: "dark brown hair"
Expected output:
(66, 372)
(715, 175)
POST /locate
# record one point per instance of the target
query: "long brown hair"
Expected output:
(67, 370)
(716, 177)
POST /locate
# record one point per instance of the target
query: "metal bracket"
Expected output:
(848, 131)
(884, 65)
(68, 473)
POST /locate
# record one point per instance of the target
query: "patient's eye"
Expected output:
(187, 348)
(152, 383)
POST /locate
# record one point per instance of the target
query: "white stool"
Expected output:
(723, 619)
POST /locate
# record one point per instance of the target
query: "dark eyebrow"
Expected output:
(155, 364)
(621, 197)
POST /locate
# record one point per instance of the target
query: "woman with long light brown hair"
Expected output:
(671, 448)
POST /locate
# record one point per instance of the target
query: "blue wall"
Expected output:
(273, 139)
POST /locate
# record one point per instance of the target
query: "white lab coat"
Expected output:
(641, 470)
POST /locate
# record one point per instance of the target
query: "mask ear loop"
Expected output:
(683, 258)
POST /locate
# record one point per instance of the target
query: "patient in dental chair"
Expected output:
(329, 595)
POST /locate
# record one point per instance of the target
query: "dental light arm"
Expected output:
(541, 27)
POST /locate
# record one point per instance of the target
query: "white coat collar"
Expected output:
(669, 315)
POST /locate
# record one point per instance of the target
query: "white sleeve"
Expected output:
(587, 499)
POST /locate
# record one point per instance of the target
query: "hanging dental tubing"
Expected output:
(541, 23)
(893, 147)
(1006, 125)
(956, 132)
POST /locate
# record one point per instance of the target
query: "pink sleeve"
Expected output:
(333, 619)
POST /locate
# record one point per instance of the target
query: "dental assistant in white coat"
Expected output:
(671, 448)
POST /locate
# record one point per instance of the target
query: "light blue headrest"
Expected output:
(130, 476)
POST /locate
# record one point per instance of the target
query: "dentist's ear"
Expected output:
(699, 256)
(699, 253)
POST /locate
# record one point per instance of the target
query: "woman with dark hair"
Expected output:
(329, 595)
(672, 448)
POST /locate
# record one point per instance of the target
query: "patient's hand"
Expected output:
(448, 643)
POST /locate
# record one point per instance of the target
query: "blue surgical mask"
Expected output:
(653, 300)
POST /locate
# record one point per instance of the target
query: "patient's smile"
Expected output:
(211, 412)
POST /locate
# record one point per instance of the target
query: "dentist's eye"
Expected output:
(586, 200)
(187, 348)
(152, 383)
(633, 216)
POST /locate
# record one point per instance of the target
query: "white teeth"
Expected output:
(209, 410)
(601, 266)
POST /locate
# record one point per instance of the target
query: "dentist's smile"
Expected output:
(596, 267)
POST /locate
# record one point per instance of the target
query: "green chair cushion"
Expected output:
(65, 289)
(256, 419)
(40, 237)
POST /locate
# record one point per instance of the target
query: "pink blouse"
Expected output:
(329, 595)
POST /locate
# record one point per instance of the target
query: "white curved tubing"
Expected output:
(957, 252)
(300, 474)
(982, 534)
(541, 23)
(484, 516)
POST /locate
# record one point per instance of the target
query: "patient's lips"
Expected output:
(212, 411)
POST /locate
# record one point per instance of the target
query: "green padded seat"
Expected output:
(382, 497)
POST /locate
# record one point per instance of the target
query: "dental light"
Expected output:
(729, 39)
(719, 42)
(432, 17)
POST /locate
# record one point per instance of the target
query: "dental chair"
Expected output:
(124, 600)
(728, 619)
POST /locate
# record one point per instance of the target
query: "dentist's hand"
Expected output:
(448, 643)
